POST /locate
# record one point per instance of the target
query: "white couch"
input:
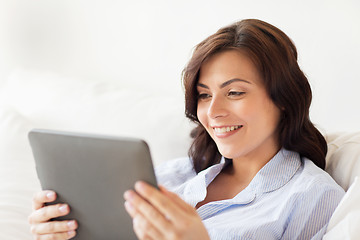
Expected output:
(32, 100)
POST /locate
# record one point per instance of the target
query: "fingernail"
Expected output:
(129, 206)
(63, 208)
(71, 233)
(139, 186)
(128, 195)
(71, 224)
(136, 221)
(50, 195)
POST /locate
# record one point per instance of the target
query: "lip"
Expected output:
(225, 134)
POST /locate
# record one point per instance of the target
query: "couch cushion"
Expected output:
(343, 158)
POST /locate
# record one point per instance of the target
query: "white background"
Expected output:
(147, 43)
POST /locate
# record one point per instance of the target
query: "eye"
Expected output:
(203, 96)
(235, 93)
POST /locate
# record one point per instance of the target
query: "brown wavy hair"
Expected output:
(275, 57)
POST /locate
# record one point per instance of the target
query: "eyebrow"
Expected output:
(224, 84)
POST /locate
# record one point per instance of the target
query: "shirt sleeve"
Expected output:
(312, 212)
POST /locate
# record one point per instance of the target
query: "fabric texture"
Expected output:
(289, 198)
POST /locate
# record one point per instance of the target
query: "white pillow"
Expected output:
(343, 158)
(18, 180)
(344, 223)
(343, 164)
(151, 113)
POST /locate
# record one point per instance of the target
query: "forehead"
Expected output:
(227, 65)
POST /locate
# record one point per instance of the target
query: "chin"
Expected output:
(230, 153)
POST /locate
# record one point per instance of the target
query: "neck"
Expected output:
(245, 168)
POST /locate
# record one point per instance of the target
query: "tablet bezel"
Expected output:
(91, 172)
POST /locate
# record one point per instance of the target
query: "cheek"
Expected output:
(269, 117)
(246, 110)
(273, 112)
(261, 114)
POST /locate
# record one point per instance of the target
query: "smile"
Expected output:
(226, 129)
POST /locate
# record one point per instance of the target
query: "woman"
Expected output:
(255, 166)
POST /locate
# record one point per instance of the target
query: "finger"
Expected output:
(130, 209)
(151, 233)
(43, 197)
(177, 199)
(57, 236)
(137, 206)
(144, 229)
(44, 214)
(54, 227)
(160, 201)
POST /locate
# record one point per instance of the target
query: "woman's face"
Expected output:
(234, 107)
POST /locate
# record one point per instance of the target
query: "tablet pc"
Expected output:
(91, 173)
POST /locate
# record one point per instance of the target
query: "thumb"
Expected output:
(177, 200)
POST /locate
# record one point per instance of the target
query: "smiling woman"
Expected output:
(254, 170)
(255, 165)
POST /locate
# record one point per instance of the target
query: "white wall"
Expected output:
(149, 42)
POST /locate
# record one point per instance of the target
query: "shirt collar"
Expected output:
(275, 174)
(194, 190)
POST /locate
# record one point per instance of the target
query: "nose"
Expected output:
(217, 108)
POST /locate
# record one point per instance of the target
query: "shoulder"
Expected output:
(175, 172)
(312, 178)
(315, 196)
(316, 189)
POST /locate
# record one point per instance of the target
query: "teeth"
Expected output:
(226, 129)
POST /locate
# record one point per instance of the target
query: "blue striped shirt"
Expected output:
(289, 198)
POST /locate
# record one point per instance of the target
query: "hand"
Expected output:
(41, 226)
(162, 215)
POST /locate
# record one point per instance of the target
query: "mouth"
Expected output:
(226, 129)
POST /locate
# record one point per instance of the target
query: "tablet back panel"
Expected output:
(91, 173)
